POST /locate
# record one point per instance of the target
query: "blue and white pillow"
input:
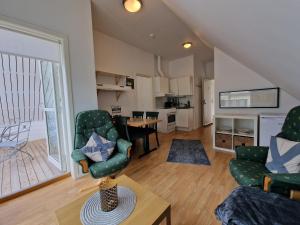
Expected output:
(283, 156)
(98, 148)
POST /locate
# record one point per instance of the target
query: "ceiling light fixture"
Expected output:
(187, 45)
(132, 6)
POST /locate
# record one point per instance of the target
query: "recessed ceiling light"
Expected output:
(187, 45)
(152, 36)
(132, 6)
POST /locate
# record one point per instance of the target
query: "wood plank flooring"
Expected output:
(194, 191)
(20, 172)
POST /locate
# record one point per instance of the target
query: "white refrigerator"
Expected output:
(269, 125)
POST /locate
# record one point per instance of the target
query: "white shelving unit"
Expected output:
(231, 130)
(119, 85)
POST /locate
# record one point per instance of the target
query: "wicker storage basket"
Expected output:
(108, 195)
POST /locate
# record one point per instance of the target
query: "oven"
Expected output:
(171, 121)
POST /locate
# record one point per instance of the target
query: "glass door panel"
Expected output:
(49, 74)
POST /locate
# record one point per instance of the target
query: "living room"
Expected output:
(162, 112)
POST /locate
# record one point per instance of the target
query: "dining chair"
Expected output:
(152, 128)
(15, 137)
(138, 114)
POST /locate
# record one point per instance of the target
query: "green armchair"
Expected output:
(100, 122)
(249, 166)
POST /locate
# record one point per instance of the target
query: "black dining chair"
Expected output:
(138, 114)
(152, 128)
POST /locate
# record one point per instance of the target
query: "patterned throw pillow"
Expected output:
(98, 148)
(283, 156)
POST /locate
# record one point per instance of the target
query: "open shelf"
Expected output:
(107, 81)
(244, 135)
(112, 87)
(234, 130)
(223, 132)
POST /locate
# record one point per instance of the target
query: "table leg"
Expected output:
(165, 215)
(168, 216)
(147, 149)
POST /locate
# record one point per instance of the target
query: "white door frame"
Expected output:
(67, 100)
(203, 102)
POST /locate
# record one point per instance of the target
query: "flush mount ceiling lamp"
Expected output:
(132, 6)
(187, 45)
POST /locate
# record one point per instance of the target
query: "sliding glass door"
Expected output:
(50, 74)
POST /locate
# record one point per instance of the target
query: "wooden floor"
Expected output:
(194, 191)
(19, 172)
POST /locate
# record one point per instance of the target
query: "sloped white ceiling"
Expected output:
(110, 17)
(263, 35)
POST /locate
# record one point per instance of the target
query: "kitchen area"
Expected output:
(129, 79)
(173, 97)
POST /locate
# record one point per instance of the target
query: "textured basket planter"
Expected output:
(108, 195)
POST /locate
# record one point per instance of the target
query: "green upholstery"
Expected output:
(100, 122)
(249, 166)
(291, 126)
(252, 153)
(248, 173)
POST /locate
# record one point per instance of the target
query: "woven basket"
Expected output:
(108, 195)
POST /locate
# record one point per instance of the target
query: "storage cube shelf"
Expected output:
(234, 130)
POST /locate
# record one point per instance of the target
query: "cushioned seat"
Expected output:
(115, 163)
(248, 173)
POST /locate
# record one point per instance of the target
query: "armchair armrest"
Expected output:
(252, 153)
(124, 147)
(81, 159)
(286, 184)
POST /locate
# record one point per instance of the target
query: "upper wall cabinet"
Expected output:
(182, 86)
(161, 86)
(185, 86)
(174, 86)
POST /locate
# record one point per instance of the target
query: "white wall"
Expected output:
(182, 67)
(209, 69)
(115, 56)
(199, 67)
(72, 19)
(231, 75)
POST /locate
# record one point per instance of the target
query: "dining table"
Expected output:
(142, 123)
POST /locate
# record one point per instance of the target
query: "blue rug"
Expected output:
(187, 151)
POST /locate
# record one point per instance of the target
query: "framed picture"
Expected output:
(255, 98)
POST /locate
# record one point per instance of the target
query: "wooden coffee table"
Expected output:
(149, 209)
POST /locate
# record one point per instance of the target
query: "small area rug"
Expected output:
(188, 151)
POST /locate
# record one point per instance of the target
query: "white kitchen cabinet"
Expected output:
(184, 119)
(181, 86)
(144, 93)
(174, 86)
(161, 86)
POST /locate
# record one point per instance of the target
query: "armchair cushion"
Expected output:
(252, 153)
(98, 148)
(283, 156)
(247, 172)
(112, 165)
